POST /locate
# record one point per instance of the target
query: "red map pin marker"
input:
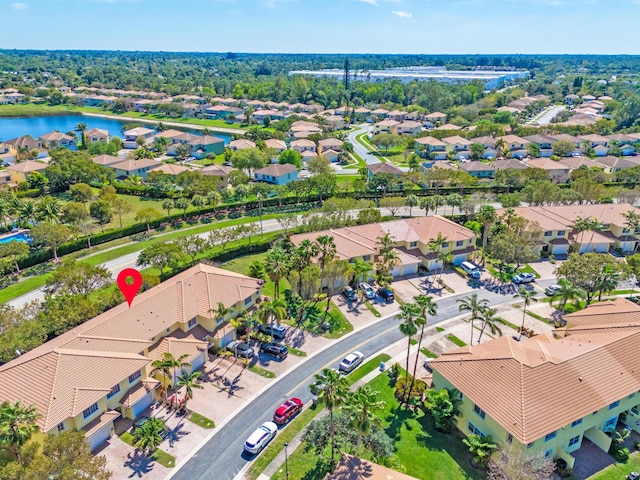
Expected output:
(129, 290)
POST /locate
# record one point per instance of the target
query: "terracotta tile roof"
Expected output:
(241, 143)
(508, 163)
(592, 370)
(387, 123)
(353, 468)
(276, 169)
(577, 162)
(486, 140)
(456, 139)
(448, 126)
(138, 131)
(330, 143)
(69, 373)
(275, 143)
(27, 166)
(138, 391)
(435, 115)
(303, 143)
(95, 425)
(171, 133)
(477, 167)
(23, 141)
(217, 170)
(618, 313)
(191, 347)
(130, 165)
(383, 167)
(431, 141)
(107, 159)
(55, 136)
(546, 164)
(170, 169)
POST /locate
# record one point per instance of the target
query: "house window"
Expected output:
(481, 413)
(529, 445)
(548, 453)
(550, 436)
(87, 412)
(247, 301)
(366, 258)
(134, 376)
(574, 441)
(561, 233)
(192, 323)
(576, 423)
(614, 404)
(473, 429)
(626, 230)
(509, 438)
(413, 244)
(548, 234)
(459, 243)
(114, 390)
(60, 427)
(445, 245)
(611, 424)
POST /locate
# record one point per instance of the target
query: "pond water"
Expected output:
(36, 126)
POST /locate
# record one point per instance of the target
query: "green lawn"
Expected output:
(619, 471)
(372, 309)
(424, 452)
(367, 368)
(204, 422)
(263, 372)
(25, 286)
(241, 265)
(339, 324)
(451, 337)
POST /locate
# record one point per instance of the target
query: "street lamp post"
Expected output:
(260, 213)
(286, 462)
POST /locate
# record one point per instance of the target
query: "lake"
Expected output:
(35, 126)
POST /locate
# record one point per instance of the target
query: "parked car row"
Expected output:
(266, 432)
(350, 295)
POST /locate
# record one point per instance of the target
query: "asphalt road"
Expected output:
(357, 146)
(223, 457)
(548, 115)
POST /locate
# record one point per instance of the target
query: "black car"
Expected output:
(275, 349)
(276, 331)
(349, 294)
(386, 295)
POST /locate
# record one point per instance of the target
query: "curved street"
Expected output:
(222, 457)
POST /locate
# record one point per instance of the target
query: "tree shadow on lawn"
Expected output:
(319, 470)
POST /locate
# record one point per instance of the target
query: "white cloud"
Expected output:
(370, 2)
(19, 6)
(403, 14)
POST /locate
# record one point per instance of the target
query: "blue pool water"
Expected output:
(20, 237)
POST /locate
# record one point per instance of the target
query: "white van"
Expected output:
(470, 269)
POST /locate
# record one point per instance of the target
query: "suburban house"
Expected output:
(594, 139)
(486, 142)
(96, 135)
(508, 163)
(331, 155)
(397, 115)
(354, 468)
(330, 144)
(544, 143)
(276, 147)
(24, 141)
(412, 237)
(459, 145)
(276, 173)
(20, 171)
(171, 169)
(565, 137)
(203, 145)
(58, 140)
(303, 145)
(86, 378)
(478, 169)
(615, 164)
(128, 168)
(513, 142)
(221, 171)
(131, 136)
(557, 236)
(435, 118)
(241, 144)
(379, 113)
(558, 171)
(335, 122)
(409, 127)
(431, 147)
(383, 167)
(107, 160)
(550, 394)
(385, 126)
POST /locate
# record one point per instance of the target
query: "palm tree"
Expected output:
(167, 204)
(49, 209)
(22, 154)
(385, 243)
(428, 203)
(361, 407)
(81, 127)
(167, 366)
(17, 423)
(566, 292)
(307, 250)
(359, 269)
(500, 145)
(444, 258)
(411, 201)
(581, 224)
(189, 380)
(331, 387)
(276, 264)
(27, 211)
(486, 217)
(409, 316)
(481, 448)
(326, 249)
(607, 280)
(149, 435)
(527, 297)
(273, 310)
(454, 200)
(427, 308)
(473, 305)
(632, 222)
(489, 318)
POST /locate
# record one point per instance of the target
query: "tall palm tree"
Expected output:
(49, 209)
(454, 200)
(500, 145)
(82, 127)
(632, 222)
(361, 407)
(326, 248)
(568, 291)
(149, 435)
(17, 423)
(166, 365)
(359, 269)
(22, 154)
(27, 211)
(607, 280)
(385, 243)
(438, 200)
(428, 203)
(307, 250)
(272, 311)
(486, 217)
(489, 318)
(332, 388)
(582, 224)
(409, 317)
(527, 297)
(189, 380)
(444, 258)
(473, 305)
(428, 308)
(221, 311)
(276, 264)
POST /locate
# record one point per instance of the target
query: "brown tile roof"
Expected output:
(130, 165)
(303, 143)
(55, 136)
(170, 169)
(577, 162)
(448, 126)
(69, 373)
(354, 468)
(275, 143)
(616, 314)
(383, 167)
(592, 370)
(27, 166)
(106, 159)
(276, 169)
(104, 419)
(241, 143)
(546, 164)
(217, 170)
(138, 391)
(456, 139)
(171, 133)
(431, 141)
(508, 163)
(191, 347)
(138, 131)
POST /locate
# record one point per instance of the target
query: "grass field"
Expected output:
(619, 470)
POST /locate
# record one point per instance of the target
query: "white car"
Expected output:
(351, 361)
(368, 291)
(261, 437)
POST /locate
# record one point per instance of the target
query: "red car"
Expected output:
(287, 411)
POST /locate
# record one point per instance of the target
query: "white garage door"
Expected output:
(230, 336)
(410, 269)
(396, 272)
(198, 362)
(143, 403)
(100, 437)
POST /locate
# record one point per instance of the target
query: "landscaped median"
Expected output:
(287, 434)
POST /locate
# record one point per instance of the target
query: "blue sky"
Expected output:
(324, 26)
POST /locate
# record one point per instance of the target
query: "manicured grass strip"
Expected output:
(367, 368)
(509, 324)
(414, 341)
(624, 292)
(262, 371)
(201, 421)
(620, 470)
(127, 438)
(528, 269)
(428, 353)
(372, 309)
(451, 337)
(163, 458)
(538, 317)
(25, 286)
(296, 352)
(340, 324)
(439, 329)
(285, 436)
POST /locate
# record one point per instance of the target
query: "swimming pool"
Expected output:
(20, 237)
